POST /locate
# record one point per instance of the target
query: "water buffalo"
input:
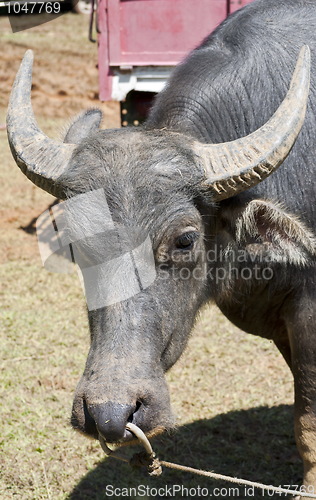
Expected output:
(195, 178)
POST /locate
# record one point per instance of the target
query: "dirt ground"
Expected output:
(232, 393)
(65, 82)
(65, 70)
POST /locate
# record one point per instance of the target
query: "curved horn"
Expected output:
(41, 159)
(235, 166)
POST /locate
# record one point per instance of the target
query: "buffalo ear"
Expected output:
(84, 124)
(265, 230)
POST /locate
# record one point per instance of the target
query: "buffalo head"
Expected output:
(162, 187)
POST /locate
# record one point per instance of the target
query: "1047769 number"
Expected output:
(299, 489)
(33, 7)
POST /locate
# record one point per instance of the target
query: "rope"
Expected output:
(154, 466)
(236, 480)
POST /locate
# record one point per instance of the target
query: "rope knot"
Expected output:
(150, 461)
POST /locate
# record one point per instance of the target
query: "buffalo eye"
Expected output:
(186, 240)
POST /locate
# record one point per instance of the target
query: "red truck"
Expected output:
(140, 41)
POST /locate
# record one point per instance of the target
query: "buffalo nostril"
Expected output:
(81, 418)
(90, 426)
(132, 415)
(111, 419)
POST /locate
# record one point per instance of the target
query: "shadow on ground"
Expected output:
(256, 444)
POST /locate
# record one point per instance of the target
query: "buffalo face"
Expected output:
(136, 339)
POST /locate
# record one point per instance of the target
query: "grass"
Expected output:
(232, 393)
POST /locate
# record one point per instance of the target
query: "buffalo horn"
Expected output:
(235, 166)
(41, 159)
